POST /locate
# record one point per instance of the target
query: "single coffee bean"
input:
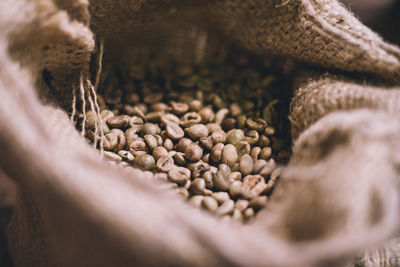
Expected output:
(126, 155)
(159, 140)
(226, 207)
(242, 204)
(179, 108)
(168, 118)
(160, 107)
(165, 164)
(218, 137)
(105, 114)
(258, 203)
(208, 178)
(136, 121)
(198, 168)
(229, 155)
(146, 161)
(220, 115)
(259, 165)
(209, 203)
(206, 142)
(154, 116)
(269, 131)
(246, 165)
(263, 141)
(257, 124)
(118, 121)
(112, 156)
(159, 152)
(193, 152)
(248, 105)
(251, 137)
(220, 197)
(198, 131)
(253, 185)
(216, 152)
(196, 200)
(183, 144)
(179, 158)
(241, 121)
(255, 152)
(213, 127)
(150, 128)
(91, 119)
(237, 216)
(235, 189)
(197, 187)
(228, 124)
(265, 153)
(218, 102)
(190, 119)
(110, 141)
(234, 176)
(168, 144)
(220, 181)
(248, 213)
(235, 109)
(137, 145)
(150, 141)
(195, 105)
(268, 169)
(235, 136)
(206, 114)
(179, 175)
(174, 131)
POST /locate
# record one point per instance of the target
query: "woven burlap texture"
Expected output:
(338, 196)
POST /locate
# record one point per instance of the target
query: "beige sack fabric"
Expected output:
(338, 196)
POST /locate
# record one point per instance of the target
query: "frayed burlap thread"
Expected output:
(338, 196)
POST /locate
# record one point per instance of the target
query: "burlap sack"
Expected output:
(338, 196)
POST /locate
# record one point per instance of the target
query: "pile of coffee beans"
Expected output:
(208, 129)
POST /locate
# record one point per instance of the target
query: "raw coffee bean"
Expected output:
(112, 156)
(174, 131)
(198, 131)
(128, 110)
(165, 164)
(146, 161)
(179, 175)
(248, 213)
(168, 144)
(136, 122)
(257, 124)
(235, 109)
(138, 152)
(196, 201)
(190, 119)
(216, 152)
(161, 176)
(121, 140)
(258, 203)
(179, 158)
(159, 152)
(265, 153)
(138, 145)
(154, 116)
(106, 114)
(224, 169)
(269, 131)
(234, 176)
(183, 144)
(235, 136)
(218, 102)
(183, 192)
(210, 204)
(228, 124)
(126, 155)
(235, 189)
(241, 121)
(226, 207)
(251, 137)
(179, 108)
(130, 136)
(193, 152)
(259, 165)
(220, 115)
(263, 141)
(255, 152)
(110, 141)
(213, 127)
(206, 142)
(229, 155)
(195, 105)
(150, 128)
(168, 118)
(253, 185)
(159, 140)
(198, 168)
(220, 197)
(241, 204)
(197, 187)
(268, 169)
(151, 141)
(208, 178)
(220, 181)
(206, 114)
(218, 137)
(246, 165)
(140, 111)
(243, 148)
(160, 107)
(90, 122)
(118, 121)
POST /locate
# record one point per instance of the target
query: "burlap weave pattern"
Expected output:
(330, 204)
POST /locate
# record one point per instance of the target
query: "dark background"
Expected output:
(383, 16)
